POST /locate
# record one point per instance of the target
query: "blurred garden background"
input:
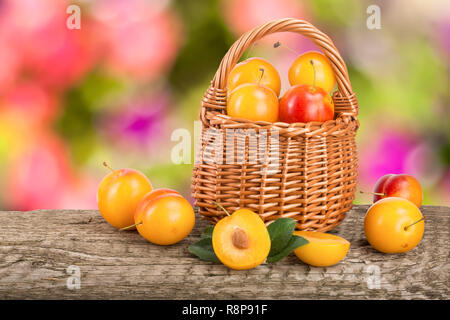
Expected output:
(115, 89)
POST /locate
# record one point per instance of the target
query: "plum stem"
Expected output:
(129, 227)
(278, 44)
(406, 228)
(221, 207)
(262, 75)
(107, 166)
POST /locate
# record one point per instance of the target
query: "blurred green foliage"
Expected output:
(76, 126)
(207, 39)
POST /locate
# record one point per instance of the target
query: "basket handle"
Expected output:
(285, 25)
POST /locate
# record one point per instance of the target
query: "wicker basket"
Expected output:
(315, 177)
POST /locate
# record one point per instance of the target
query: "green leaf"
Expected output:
(293, 243)
(207, 232)
(204, 250)
(280, 232)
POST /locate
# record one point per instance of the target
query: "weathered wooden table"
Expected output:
(77, 255)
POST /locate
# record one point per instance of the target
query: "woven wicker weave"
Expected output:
(317, 170)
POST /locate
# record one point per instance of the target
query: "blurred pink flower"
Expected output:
(423, 163)
(49, 51)
(244, 15)
(23, 17)
(385, 154)
(443, 36)
(30, 103)
(64, 64)
(138, 125)
(39, 176)
(81, 194)
(141, 37)
(9, 66)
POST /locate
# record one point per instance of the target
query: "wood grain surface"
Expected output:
(36, 248)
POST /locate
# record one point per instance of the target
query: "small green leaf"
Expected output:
(280, 232)
(293, 243)
(207, 232)
(204, 250)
